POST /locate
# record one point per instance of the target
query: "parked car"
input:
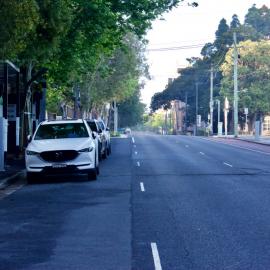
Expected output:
(61, 147)
(100, 137)
(106, 133)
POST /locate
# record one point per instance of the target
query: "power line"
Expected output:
(195, 46)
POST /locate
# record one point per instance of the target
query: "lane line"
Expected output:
(142, 187)
(133, 140)
(156, 256)
(138, 164)
(227, 164)
(14, 189)
(202, 153)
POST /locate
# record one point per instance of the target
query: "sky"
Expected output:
(185, 26)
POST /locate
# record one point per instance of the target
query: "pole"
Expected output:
(211, 98)
(185, 111)
(115, 115)
(235, 92)
(197, 86)
(218, 102)
(2, 150)
(42, 115)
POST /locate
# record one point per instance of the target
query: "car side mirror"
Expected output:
(93, 135)
(100, 131)
(29, 138)
(107, 128)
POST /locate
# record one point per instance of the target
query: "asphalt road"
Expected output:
(161, 202)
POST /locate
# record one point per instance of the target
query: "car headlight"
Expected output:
(31, 153)
(84, 150)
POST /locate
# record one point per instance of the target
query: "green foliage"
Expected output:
(255, 28)
(254, 82)
(131, 111)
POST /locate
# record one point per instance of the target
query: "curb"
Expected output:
(257, 142)
(11, 179)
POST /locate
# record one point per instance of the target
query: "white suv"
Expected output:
(64, 147)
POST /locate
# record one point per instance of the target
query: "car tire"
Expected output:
(99, 153)
(92, 175)
(109, 150)
(31, 177)
(104, 155)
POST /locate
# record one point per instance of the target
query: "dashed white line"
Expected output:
(142, 187)
(227, 164)
(133, 140)
(138, 164)
(202, 153)
(156, 256)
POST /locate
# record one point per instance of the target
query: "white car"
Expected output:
(106, 134)
(61, 147)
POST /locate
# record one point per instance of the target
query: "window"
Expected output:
(61, 131)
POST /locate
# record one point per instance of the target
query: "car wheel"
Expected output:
(31, 177)
(92, 175)
(109, 150)
(99, 153)
(104, 155)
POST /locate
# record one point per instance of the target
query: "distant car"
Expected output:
(106, 132)
(61, 147)
(94, 125)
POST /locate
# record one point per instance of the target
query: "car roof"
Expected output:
(72, 121)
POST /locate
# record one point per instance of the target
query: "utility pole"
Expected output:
(235, 91)
(185, 111)
(196, 121)
(115, 116)
(211, 98)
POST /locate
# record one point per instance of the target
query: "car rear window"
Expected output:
(61, 131)
(92, 125)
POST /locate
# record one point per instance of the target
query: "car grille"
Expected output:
(59, 156)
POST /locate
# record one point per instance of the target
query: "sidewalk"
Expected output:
(13, 169)
(264, 140)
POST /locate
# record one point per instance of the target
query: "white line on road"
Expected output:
(227, 164)
(133, 140)
(138, 164)
(202, 153)
(156, 256)
(142, 187)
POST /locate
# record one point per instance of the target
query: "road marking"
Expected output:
(202, 153)
(142, 187)
(133, 140)
(136, 153)
(156, 256)
(9, 190)
(227, 164)
(138, 164)
(187, 146)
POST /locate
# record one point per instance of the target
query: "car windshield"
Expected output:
(101, 125)
(61, 131)
(92, 125)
